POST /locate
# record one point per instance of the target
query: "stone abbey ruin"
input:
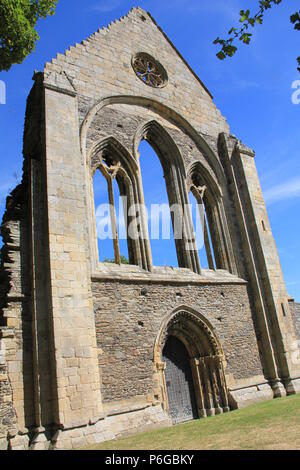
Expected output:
(90, 351)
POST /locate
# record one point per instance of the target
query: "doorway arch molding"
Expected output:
(206, 355)
(196, 322)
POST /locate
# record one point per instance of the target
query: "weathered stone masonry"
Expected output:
(82, 342)
(295, 308)
(127, 322)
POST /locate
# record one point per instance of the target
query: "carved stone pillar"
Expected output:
(161, 367)
(195, 365)
(209, 404)
(215, 383)
(223, 388)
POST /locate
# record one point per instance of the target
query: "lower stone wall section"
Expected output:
(112, 427)
(129, 316)
(250, 395)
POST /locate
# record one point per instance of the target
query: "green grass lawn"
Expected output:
(273, 424)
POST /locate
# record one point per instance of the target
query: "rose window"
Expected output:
(149, 70)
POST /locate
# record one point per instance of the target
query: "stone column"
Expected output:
(209, 404)
(195, 365)
(276, 335)
(268, 266)
(222, 382)
(161, 367)
(215, 384)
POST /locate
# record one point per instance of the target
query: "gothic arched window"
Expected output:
(111, 214)
(174, 174)
(217, 251)
(160, 225)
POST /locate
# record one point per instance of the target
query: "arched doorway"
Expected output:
(179, 381)
(190, 367)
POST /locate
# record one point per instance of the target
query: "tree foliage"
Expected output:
(249, 21)
(123, 260)
(18, 19)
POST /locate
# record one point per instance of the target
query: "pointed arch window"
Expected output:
(216, 238)
(174, 174)
(118, 168)
(160, 225)
(110, 214)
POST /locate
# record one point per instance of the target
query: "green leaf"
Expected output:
(221, 55)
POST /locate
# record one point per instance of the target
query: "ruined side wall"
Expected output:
(128, 317)
(15, 306)
(8, 419)
(296, 318)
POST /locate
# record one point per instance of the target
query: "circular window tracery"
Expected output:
(149, 70)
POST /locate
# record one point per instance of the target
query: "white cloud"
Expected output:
(288, 190)
(105, 6)
(229, 9)
(220, 7)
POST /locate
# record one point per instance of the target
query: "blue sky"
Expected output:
(253, 90)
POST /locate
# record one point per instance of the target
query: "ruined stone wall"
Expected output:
(128, 317)
(296, 317)
(65, 321)
(15, 303)
(8, 419)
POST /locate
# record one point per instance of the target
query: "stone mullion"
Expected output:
(134, 246)
(184, 256)
(172, 191)
(223, 242)
(188, 225)
(207, 243)
(216, 235)
(145, 246)
(93, 237)
(113, 218)
(205, 233)
(220, 241)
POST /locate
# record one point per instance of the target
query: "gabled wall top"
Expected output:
(101, 66)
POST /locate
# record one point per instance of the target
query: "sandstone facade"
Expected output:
(81, 356)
